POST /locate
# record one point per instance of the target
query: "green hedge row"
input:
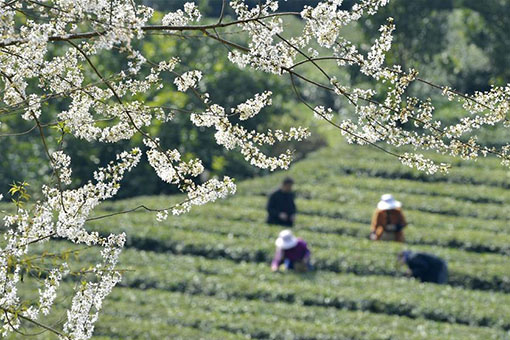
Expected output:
(263, 320)
(362, 212)
(251, 281)
(458, 232)
(384, 295)
(352, 223)
(431, 204)
(346, 160)
(332, 252)
(338, 184)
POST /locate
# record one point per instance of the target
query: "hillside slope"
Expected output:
(206, 276)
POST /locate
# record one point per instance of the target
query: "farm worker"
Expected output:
(281, 208)
(388, 221)
(425, 267)
(292, 252)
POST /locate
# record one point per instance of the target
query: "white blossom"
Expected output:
(162, 215)
(252, 107)
(62, 163)
(188, 80)
(182, 18)
(320, 112)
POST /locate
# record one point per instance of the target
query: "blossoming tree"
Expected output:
(102, 106)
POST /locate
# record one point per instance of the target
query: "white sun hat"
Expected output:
(388, 202)
(286, 240)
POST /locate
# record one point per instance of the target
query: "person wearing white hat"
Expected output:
(388, 221)
(291, 251)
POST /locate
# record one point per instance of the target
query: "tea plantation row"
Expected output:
(206, 275)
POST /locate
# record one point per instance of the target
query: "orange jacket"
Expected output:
(383, 218)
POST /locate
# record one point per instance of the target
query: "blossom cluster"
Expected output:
(63, 214)
(265, 52)
(102, 107)
(385, 121)
(233, 136)
(182, 18)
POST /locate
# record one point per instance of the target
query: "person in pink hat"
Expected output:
(291, 251)
(388, 221)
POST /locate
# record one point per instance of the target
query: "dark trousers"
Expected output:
(277, 220)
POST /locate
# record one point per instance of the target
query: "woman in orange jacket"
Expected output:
(388, 221)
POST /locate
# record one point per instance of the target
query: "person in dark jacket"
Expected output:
(281, 208)
(425, 267)
(291, 251)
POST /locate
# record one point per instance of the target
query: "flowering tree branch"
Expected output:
(102, 106)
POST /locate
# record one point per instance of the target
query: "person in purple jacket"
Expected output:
(292, 252)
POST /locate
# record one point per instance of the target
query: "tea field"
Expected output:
(206, 275)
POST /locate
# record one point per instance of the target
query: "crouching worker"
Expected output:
(291, 252)
(425, 267)
(388, 222)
